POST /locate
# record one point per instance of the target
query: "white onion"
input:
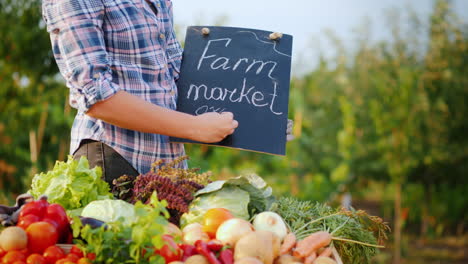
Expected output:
(270, 221)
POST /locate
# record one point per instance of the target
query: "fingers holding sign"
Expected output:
(230, 118)
(213, 127)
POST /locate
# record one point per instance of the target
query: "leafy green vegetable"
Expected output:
(229, 197)
(244, 196)
(109, 210)
(71, 184)
(355, 233)
(127, 242)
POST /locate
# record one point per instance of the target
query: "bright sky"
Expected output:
(306, 20)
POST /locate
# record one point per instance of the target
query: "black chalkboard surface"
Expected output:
(242, 71)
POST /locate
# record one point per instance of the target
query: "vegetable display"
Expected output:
(177, 216)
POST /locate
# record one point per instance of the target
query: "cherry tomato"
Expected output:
(213, 218)
(41, 235)
(19, 262)
(170, 251)
(84, 261)
(77, 251)
(12, 256)
(36, 259)
(72, 257)
(53, 253)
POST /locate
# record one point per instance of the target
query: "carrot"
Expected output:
(327, 252)
(288, 243)
(312, 243)
(310, 259)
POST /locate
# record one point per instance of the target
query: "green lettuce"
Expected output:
(71, 184)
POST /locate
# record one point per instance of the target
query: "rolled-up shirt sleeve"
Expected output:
(174, 49)
(75, 28)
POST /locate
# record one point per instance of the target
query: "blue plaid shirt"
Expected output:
(105, 46)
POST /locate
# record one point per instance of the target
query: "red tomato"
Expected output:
(41, 235)
(27, 220)
(72, 257)
(36, 259)
(213, 218)
(170, 251)
(91, 256)
(64, 261)
(77, 251)
(2, 252)
(19, 262)
(84, 261)
(53, 253)
(12, 256)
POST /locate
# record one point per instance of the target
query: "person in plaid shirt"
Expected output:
(120, 60)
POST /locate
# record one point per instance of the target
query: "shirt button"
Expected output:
(162, 36)
(96, 76)
(172, 92)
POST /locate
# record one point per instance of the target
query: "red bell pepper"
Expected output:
(215, 245)
(202, 248)
(226, 256)
(170, 251)
(189, 250)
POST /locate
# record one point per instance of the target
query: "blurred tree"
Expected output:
(34, 116)
(410, 112)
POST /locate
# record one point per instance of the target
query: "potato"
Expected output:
(324, 260)
(194, 232)
(13, 238)
(257, 244)
(276, 246)
(248, 260)
(230, 231)
(197, 259)
(287, 259)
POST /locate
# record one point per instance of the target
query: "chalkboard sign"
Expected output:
(241, 71)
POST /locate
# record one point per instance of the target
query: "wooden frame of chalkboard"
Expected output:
(243, 71)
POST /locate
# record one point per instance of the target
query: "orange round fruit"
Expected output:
(213, 218)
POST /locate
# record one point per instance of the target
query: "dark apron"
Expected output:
(112, 163)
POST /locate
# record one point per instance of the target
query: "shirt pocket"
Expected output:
(131, 36)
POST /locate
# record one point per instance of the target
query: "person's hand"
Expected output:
(214, 127)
